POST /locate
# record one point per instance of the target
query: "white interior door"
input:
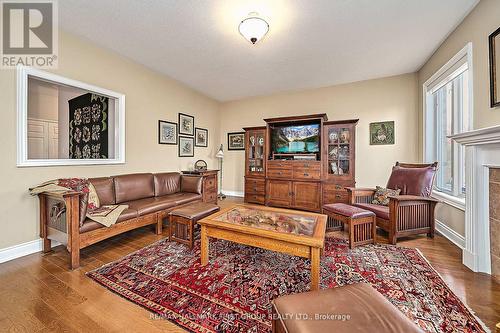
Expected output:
(43, 137)
(53, 140)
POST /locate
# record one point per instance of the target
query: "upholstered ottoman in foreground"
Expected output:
(362, 222)
(354, 308)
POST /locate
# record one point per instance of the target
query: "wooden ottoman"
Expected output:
(362, 222)
(353, 308)
(182, 221)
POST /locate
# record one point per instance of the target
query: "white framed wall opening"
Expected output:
(61, 121)
(447, 100)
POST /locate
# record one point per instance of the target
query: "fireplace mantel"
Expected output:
(487, 135)
(482, 151)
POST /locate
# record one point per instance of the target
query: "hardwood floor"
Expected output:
(39, 294)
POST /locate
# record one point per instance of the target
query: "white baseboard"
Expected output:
(233, 193)
(21, 250)
(451, 234)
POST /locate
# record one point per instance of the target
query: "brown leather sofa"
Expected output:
(150, 197)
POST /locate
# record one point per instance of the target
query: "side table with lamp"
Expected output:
(209, 183)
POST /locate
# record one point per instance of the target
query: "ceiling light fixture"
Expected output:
(253, 28)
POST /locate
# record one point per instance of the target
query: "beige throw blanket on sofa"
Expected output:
(106, 215)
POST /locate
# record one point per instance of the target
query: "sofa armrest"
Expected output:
(191, 184)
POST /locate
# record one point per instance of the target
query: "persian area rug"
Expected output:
(233, 292)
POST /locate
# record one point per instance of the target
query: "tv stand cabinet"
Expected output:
(301, 183)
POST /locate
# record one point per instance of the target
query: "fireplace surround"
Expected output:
(482, 159)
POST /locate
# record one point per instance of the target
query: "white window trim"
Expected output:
(22, 120)
(457, 202)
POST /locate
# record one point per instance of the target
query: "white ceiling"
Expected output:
(311, 43)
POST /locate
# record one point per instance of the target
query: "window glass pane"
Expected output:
(444, 147)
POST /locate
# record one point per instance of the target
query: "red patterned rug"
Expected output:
(233, 293)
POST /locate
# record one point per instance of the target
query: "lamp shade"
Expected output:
(253, 28)
(220, 153)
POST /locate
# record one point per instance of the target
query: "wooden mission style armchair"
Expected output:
(411, 212)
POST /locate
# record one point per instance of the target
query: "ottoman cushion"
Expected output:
(367, 309)
(195, 211)
(348, 210)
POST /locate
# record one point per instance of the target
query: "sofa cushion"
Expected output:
(105, 189)
(89, 225)
(184, 197)
(191, 184)
(152, 205)
(379, 210)
(134, 186)
(412, 181)
(167, 183)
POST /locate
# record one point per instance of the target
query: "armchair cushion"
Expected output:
(379, 210)
(381, 196)
(412, 180)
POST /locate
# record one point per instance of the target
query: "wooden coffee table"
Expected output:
(296, 233)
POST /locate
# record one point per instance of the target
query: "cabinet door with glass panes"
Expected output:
(339, 144)
(255, 154)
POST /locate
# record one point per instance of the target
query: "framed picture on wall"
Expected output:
(494, 43)
(382, 133)
(186, 146)
(200, 137)
(186, 124)
(167, 132)
(236, 141)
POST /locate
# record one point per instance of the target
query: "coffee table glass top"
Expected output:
(270, 220)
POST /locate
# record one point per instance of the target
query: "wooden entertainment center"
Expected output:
(301, 180)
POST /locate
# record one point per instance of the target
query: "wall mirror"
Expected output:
(67, 122)
(494, 42)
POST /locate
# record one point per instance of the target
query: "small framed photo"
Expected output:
(494, 46)
(186, 124)
(200, 137)
(382, 133)
(167, 132)
(186, 146)
(236, 141)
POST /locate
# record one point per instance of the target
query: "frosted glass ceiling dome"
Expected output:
(253, 28)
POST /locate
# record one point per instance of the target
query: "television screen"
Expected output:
(295, 139)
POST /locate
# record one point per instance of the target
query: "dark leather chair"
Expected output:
(411, 212)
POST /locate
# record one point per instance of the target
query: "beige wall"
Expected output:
(476, 27)
(149, 97)
(392, 98)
